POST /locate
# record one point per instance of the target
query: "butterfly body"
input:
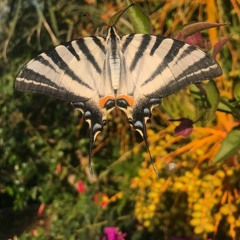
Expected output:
(133, 72)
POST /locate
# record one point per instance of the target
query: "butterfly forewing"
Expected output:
(161, 66)
(71, 71)
(158, 67)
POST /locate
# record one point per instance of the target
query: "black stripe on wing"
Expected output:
(204, 67)
(59, 61)
(127, 41)
(45, 62)
(202, 64)
(173, 51)
(184, 79)
(98, 42)
(85, 50)
(157, 43)
(71, 49)
(146, 39)
(31, 81)
(32, 76)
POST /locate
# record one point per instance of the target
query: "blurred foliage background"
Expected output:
(45, 188)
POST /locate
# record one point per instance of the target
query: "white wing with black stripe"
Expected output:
(71, 71)
(161, 66)
(158, 67)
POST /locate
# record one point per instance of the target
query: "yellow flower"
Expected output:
(209, 227)
(195, 222)
(146, 223)
(198, 230)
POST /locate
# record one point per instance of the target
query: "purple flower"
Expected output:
(185, 127)
(196, 39)
(180, 238)
(112, 233)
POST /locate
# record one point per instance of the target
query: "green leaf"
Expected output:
(212, 98)
(207, 96)
(229, 106)
(236, 90)
(141, 22)
(230, 145)
(114, 19)
(224, 105)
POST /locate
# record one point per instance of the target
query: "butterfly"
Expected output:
(134, 73)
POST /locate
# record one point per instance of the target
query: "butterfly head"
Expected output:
(112, 35)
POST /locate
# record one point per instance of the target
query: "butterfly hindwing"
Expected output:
(71, 72)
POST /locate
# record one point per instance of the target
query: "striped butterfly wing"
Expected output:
(69, 71)
(158, 67)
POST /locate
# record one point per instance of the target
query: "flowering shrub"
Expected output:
(205, 197)
(44, 152)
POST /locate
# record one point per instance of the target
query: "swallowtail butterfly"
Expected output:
(133, 72)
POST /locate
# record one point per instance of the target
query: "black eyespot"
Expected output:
(109, 104)
(122, 103)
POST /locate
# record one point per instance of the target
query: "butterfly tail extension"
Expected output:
(144, 136)
(94, 118)
(141, 113)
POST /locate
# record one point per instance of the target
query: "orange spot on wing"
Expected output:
(128, 99)
(102, 101)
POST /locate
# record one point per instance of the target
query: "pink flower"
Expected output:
(112, 233)
(196, 39)
(185, 127)
(80, 186)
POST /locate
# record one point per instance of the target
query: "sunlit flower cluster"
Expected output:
(204, 196)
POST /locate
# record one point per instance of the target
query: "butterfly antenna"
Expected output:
(144, 135)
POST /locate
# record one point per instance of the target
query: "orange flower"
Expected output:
(104, 199)
(59, 168)
(41, 209)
